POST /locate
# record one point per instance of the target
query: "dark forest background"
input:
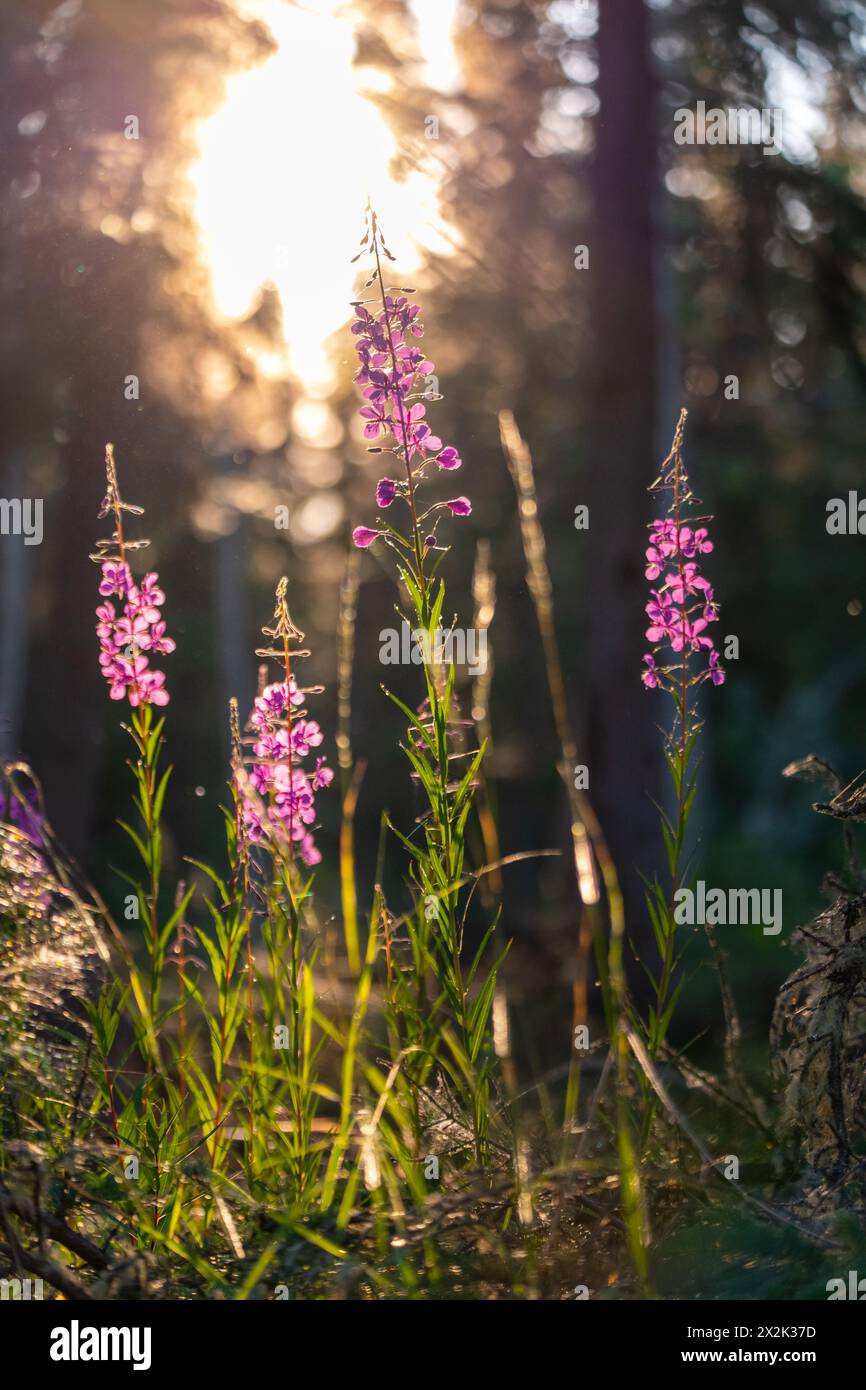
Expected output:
(703, 262)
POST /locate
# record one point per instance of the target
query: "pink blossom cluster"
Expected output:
(392, 374)
(126, 639)
(682, 606)
(284, 804)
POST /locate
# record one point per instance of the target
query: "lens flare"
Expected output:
(283, 172)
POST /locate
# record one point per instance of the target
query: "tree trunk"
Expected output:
(621, 462)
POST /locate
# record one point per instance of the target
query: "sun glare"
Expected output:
(284, 169)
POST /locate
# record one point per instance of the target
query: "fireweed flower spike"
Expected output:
(392, 375)
(682, 606)
(279, 804)
(680, 611)
(128, 637)
(125, 636)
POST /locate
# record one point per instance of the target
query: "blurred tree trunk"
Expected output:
(64, 719)
(66, 701)
(622, 439)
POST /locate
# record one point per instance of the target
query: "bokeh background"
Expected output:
(183, 188)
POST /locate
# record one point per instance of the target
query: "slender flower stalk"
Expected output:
(127, 640)
(680, 609)
(276, 809)
(393, 376)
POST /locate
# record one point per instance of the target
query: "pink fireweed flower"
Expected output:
(689, 635)
(148, 689)
(695, 542)
(306, 734)
(155, 640)
(681, 608)
(688, 582)
(116, 579)
(147, 600)
(107, 618)
(662, 546)
(323, 776)
(363, 536)
(125, 637)
(449, 458)
(271, 704)
(663, 616)
(123, 675)
(392, 375)
(386, 490)
(650, 676)
(655, 562)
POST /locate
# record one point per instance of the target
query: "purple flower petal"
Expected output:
(449, 458)
(364, 537)
(386, 490)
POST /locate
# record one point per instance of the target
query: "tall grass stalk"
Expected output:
(591, 859)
